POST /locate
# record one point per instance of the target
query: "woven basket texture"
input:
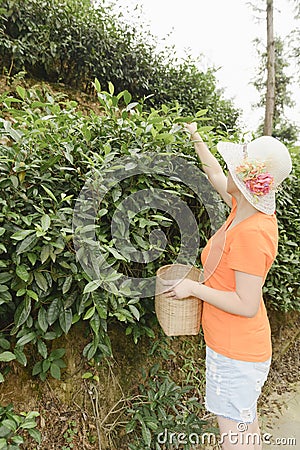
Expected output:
(177, 317)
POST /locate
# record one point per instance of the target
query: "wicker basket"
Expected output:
(177, 317)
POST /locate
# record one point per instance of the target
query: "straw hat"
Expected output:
(257, 169)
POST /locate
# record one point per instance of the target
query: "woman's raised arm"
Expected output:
(210, 164)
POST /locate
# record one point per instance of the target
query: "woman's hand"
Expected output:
(191, 127)
(179, 288)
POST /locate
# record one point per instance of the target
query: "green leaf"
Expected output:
(25, 339)
(5, 296)
(16, 135)
(53, 311)
(87, 375)
(45, 221)
(15, 181)
(116, 254)
(36, 435)
(50, 335)
(20, 356)
(46, 365)
(22, 272)
(201, 112)
(32, 258)
(43, 376)
(5, 276)
(37, 368)
(90, 312)
(4, 343)
(146, 434)
(45, 253)
(127, 97)
(60, 363)
(20, 235)
(135, 312)
(91, 352)
(65, 320)
(32, 414)
(131, 106)
(21, 91)
(95, 323)
(41, 281)
(3, 288)
(55, 371)
(92, 286)
(111, 88)
(102, 311)
(28, 424)
(22, 312)
(21, 292)
(97, 85)
(32, 295)
(3, 444)
(67, 284)
(49, 192)
(7, 357)
(57, 353)
(17, 440)
(42, 349)
(10, 424)
(27, 244)
(42, 319)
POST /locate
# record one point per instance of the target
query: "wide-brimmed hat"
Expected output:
(257, 168)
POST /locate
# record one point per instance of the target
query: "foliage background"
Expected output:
(72, 42)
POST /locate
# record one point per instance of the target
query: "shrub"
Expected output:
(164, 415)
(49, 149)
(73, 42)
(282, 284)
(13, 427)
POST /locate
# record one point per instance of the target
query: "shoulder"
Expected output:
(260, 230)
(264, 223)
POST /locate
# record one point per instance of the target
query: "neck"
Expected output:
(244, 208)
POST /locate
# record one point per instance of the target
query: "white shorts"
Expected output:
(233, 386)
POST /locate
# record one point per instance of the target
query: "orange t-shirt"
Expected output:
(251, 247)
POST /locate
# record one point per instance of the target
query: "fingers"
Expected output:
(190, 125)
(170, 294)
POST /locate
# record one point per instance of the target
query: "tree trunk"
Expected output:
(270, 98)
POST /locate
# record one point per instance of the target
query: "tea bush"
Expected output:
(73, 42)
(164, 415)
(13, 427)
(282, 284)
(48, 151)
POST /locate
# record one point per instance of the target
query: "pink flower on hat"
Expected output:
(261, 185)
(255, 176)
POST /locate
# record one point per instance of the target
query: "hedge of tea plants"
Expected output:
(72, 42)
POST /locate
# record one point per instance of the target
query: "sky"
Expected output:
(223, 32)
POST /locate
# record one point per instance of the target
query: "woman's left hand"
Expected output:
(179, 288)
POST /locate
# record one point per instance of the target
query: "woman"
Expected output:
(236, 261)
